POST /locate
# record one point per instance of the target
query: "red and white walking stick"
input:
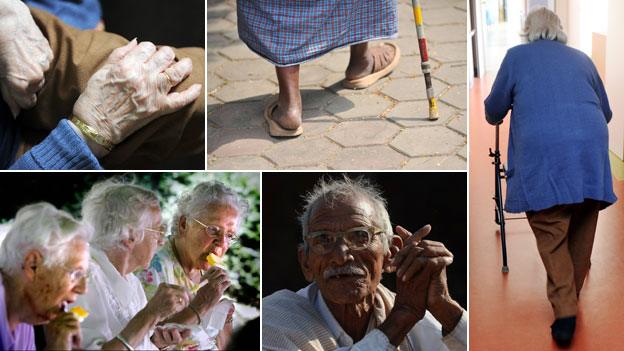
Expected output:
(424, 59)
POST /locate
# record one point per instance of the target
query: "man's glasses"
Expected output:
(358, 238)
(215, 231)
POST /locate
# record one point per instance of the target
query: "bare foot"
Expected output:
(289, 108)
(365, 60)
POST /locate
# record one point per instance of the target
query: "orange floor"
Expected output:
(511, 312)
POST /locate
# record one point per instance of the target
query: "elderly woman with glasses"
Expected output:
(44, 259)
(204, 225)
(559, 171)
(127, 232)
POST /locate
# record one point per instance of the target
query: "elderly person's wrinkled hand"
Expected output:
(164, 337)
(63, 332)
(25, 55)
(133, 88)
(209, 294)
(168, 300)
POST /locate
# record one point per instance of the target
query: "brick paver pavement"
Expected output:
(382, 127)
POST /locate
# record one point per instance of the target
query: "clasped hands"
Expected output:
(420, 267)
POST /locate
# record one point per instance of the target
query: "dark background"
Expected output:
(414, 199)
(176, 23)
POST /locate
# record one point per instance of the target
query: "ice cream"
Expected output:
(79, 312)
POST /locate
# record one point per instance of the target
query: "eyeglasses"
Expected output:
(161, 231)
(358, 238)
(214, 231)
(76, 275)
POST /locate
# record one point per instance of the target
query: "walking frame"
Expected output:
(424, 59)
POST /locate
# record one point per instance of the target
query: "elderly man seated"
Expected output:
(347, 243)
(43, 260)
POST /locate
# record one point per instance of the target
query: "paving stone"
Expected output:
(440, 16)
(409, 66)
(363, 133)
(213, 83)
(408, 46)
(217, 10)
(215, 41)
(416, 114)
(446, 33)
(212, 104)
(240, 115)
(239, 51)
(232, 35)
(316, 98)
(316, 125)
(219, 25)
(406, 89)
(312, 75)
(452, 52)
(368, 157)
(463, 152)
(334, 61)
(255, 163)
(214, 62)
(301, 152)
(436, 163)
(429, 141)
(237, 142)
(251, 90)
(456, 96)
(358, 106)
(452, 73)
(459, 124)
(246, 70)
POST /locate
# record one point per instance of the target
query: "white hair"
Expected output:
(334, 189)
(44, 228)
(542, 23)
(194, 203)
(112, 207)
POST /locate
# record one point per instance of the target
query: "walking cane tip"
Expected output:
(505, 269)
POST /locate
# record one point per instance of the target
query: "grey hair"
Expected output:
(112, 207)
(194, 202)
(334, 189)
(41, 227)
(542, 23)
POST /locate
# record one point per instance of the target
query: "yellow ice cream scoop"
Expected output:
(214, 260)
(79, 312)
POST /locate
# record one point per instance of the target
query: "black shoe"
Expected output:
(562, 330)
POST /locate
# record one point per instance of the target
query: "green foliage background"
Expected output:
(242, 259)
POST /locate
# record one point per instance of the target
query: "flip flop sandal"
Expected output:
(367, 81)
(275, 130)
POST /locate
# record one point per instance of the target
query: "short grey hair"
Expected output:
(44, 228)
(114, 206)
(542, 23)
(335, 189)
(194, 202)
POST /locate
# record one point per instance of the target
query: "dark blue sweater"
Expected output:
(558, 142)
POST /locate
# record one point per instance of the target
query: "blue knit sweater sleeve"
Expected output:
(62, 149)
(600, 91)
(499, 102)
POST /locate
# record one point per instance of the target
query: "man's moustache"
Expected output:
(343, 270)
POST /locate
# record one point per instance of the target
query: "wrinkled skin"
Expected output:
(25, 55)
(132, 88)
(144, 251)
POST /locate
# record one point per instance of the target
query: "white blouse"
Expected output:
(112, 301)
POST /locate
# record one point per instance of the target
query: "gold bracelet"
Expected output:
(92, 134)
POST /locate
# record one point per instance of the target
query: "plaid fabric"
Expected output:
(289, 32)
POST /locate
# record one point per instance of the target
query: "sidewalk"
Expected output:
(382, 127)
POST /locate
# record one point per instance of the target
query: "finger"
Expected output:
(121, 52)
(160, 60)
(176, 338)
(415, 268)
(405, 264)
(403, 253)
(35, 85)
(421, 233)
(434, 251)
(26, 101)
(141, 52)
(166, 335)
(185, 333)
(179, 70)
(176, 101)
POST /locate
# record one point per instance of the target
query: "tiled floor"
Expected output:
(511, 312)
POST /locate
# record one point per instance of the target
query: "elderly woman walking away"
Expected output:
(127, 231)
(205, 224)
(43, 264)
(559, 172)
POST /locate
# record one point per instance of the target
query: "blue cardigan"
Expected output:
(61, 149)
(558, 141)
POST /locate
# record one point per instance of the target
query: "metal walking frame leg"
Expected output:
(499, 212)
